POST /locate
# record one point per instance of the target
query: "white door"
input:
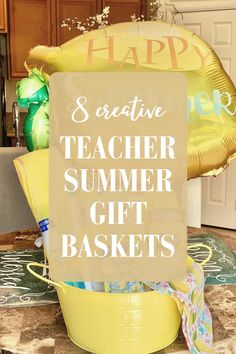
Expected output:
(219, 199)
(218, 28)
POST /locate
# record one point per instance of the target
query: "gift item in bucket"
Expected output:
(189, 296)
(32, 170)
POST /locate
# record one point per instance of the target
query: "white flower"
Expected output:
(106, 10)
(99, 19)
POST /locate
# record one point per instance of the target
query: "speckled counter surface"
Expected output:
(41, 330)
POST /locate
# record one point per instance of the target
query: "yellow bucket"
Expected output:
(130, 323)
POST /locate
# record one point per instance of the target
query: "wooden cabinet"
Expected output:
(3, 16)
(29, 24)
(34, 22)
(122, 10)
(70, 9)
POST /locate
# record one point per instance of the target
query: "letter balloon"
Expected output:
(151, 46)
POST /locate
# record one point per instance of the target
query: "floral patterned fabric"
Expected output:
(124, 287)
(189, 297)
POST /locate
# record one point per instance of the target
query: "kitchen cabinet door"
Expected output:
(81, 9)
(30, 24)
(3, 16)
(122, 10)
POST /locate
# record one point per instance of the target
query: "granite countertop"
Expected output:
(41, 330)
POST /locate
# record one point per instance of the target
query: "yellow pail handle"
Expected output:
(35, 264)
(51, 282)
(205, 246)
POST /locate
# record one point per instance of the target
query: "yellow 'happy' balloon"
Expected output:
(151, 46)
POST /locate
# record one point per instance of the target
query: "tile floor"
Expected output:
(41, 330)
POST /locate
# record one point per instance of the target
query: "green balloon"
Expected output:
(36, 127)
(32, 89)
(32, 93)
(40, 96)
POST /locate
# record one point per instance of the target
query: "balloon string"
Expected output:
(164, 11)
